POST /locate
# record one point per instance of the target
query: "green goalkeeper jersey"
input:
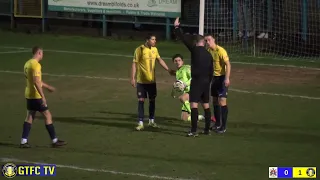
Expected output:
(184, 74)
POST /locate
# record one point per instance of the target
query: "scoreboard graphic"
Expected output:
(292, 172)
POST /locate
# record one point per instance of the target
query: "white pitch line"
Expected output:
(77, 52)
(14, 52)
(277, 65)
(11, 160)
(130, 56)
(282, 59)
(275, 94)
(126, 79)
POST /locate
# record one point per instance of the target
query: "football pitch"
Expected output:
(273, 114)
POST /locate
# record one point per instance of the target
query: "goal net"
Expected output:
(279, 28)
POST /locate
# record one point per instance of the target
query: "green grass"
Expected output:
(97, 116)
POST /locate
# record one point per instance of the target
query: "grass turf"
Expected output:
(97, 116)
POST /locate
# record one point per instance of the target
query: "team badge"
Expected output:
(311, 172)
(9, 170)
(273, 172)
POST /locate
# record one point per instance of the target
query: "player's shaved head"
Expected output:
(199, 38)
(36, 49)
(37, 53)
(200, 41)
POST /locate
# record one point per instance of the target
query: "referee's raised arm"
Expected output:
(187, 39)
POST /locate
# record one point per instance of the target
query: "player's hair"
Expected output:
(209, 35)
(206, 35)
(176, 56)
(149, 36)
(35, 49)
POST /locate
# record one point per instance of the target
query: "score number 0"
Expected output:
(286, 172)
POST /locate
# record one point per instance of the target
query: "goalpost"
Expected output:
(201, 16)
(276, 28)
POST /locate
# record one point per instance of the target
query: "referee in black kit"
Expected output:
(201, 74)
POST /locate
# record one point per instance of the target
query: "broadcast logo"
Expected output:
(11, 170)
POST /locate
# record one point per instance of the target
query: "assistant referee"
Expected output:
(201, 74)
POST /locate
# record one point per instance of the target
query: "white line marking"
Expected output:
(13, 52)
(8, 160)
(126, 79)
(275, 94)
(130, 56)
(277, 65)
(282, 59)
(258, 57)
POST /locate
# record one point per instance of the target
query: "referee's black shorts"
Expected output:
(200, 90)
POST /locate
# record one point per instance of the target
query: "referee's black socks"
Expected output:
(194, 119)
(224, 113)
(207, 116)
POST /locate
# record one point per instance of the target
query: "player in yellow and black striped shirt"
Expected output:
(220, 83)
(144, 79)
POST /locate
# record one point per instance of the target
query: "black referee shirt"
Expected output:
(201, 59)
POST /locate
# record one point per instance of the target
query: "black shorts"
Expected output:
(36, 105)
(200, 91)
(218, 88)
(147, 90)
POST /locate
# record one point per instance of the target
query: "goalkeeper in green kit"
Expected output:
(183, 74)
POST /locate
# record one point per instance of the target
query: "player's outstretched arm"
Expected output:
(164, 65)
(48, 87)
(187, 39)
